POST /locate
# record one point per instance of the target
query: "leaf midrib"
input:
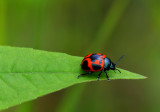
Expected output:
(35, 72)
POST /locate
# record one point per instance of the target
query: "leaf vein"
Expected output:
(9, 85)
(30, 81)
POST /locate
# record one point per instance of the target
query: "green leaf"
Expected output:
(26, 74)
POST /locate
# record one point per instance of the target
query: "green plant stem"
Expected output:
(110, 21)
(26, 107)
(70, 99)
(38, 23)
(154, 54)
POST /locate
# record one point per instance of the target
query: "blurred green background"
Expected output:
(79, 27)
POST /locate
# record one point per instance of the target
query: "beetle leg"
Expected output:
(84, 74)
(118, 70)
(99, 75)
(107, 75)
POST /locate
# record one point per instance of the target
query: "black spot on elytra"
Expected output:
(85, 65)
(94, 57)
(96, 67)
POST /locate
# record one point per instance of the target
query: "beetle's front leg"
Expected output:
(107, 75)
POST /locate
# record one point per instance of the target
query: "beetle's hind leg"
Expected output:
(84, 74)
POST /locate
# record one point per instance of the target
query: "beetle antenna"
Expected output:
(119, 59)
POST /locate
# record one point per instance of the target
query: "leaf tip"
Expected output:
(145, 77)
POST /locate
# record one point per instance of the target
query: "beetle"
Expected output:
(95, 62)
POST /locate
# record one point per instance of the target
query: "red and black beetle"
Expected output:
(95, 62)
